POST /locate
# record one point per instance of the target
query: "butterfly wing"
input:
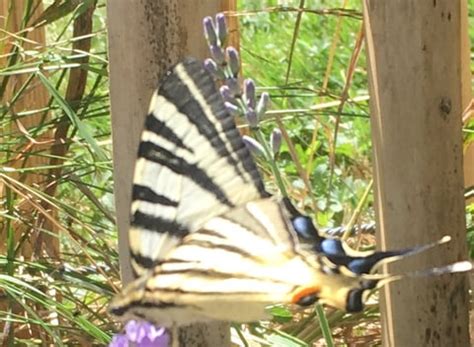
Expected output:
(231, 269)
(192, 165)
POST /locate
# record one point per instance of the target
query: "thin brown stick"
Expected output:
(344, 96)
(340, 12)
(286, 137)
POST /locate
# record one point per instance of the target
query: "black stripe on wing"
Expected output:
(203, 292)
(225, 247)
(144, 261)
(144, 193)
(158, 127)
(121, 310)
(211, 275)
(158, 224)
(160, 155)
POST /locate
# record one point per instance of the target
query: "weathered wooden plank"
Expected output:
(415, 51)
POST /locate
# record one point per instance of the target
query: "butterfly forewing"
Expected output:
(192, 165)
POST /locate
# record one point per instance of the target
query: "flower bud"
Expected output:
(275, 140)
(211, 66)
(253, 145)
(232, 108)
(221, 29)
(227, 95)
(263, 104)
(249, 91)
(233, 59)
(210, 31)
(217, 54)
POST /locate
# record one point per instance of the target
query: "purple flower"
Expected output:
(253, 145)
(143, 334)
(119, 340)
(233, 58)
(210, 31)
(249, 91)
(232, 108)
(263, 104)
(275, 140)
(221, 29)
(211, 66)
(217, 54)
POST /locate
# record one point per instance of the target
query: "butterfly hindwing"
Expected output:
(192, 165)
(232, 268)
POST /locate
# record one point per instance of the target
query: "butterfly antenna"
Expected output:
(458, 267)
(410, 252)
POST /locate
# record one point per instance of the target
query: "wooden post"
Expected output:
(415, 52)
(145, 39)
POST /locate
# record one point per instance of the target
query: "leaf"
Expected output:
(81, 127)
(281, 314)
(57, 10)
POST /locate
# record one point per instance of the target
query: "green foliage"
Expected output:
(266, 40)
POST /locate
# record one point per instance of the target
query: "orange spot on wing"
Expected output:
(305, 292)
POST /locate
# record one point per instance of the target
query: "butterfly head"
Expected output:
(343, 290)
(348, 276)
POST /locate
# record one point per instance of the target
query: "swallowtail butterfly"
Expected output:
(207, 242)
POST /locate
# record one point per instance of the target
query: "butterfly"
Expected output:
(208, 242)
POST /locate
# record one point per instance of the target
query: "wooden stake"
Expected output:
(416, 51)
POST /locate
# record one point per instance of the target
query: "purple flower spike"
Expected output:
(263, 104)
(221, 29)
(142, 334)
(253, 145)
(233, 59)
(249, 86)
(209, 31)
(217, 54)
(275, 140)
